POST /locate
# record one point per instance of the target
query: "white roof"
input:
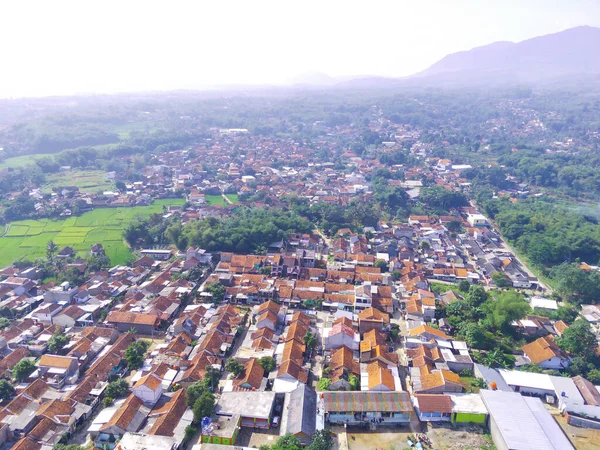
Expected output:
(523, 422)
(468, 404)
(541, 302)
(527, 379)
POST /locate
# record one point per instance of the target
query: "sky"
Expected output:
(86, 46)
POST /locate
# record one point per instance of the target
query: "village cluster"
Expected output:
(309, 310)
(326, 333)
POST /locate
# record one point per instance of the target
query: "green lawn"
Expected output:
(20, 161)
(90, 181)
(232, 197)
(215, 200)
(27, 239)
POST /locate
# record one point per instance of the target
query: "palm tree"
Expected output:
(51, 249)
(494, 359)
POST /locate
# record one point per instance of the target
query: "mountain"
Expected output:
(575, 51)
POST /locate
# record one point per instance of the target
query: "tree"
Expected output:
(501, 280)
(194, 391)
(354, 382)
(505, 308)
(285, 442)
(203, 406)
(321, 440)
(51, 249)
(217, 290)
(323, 384)
(117, 389)
(267, 363)
(381, 264)
(396, 275)
(477, 337)
(108, 401)
(476, 295)
(310, 340)
(189, 432)
(594, 376)
(496, 358)
(134, 355)
(579, 340)
(4, 323)
(234, 367)
(57, 342)
(23, 369)
(394, 332)
(7, 390)
(464, 286)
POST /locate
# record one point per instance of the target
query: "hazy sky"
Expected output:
(54, 47)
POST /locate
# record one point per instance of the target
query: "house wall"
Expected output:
(434, 417)
(64, 321)
(364, 326)
(497, 435)
(339, 340)
(147, 395)
(468, 418)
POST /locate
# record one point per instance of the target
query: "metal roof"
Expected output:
(523, 422)
(370, 401)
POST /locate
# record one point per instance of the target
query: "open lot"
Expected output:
(27, 239)
(90, 181)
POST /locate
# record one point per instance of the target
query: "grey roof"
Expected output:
(523, 422)
(490, 375)
(299, 411)
(255, 404)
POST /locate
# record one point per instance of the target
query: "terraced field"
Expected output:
(27, 239)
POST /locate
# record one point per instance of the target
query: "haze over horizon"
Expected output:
(69, 47)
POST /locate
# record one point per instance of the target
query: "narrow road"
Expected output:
(227, 199)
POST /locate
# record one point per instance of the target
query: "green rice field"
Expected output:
(218, 200)
(27, 239)
(90, 181)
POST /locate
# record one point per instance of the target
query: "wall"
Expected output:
(468, 418)
(497, 436)
(584, 423)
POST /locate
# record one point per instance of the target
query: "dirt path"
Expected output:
(227, 199)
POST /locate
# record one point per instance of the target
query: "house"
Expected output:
(362, 407)
(255, 408)
(522, 423)
(70, 316)
(436, 381)
(378, 377)
(58, 370)
(342, 334)
(545, 353)
(251, 378)
(342, 365)
(424, 333)
(140, 322)
(148, 389)
(160, 255)
(372, 318)
(290, 370)
(433, 407)
(298, 415)
(126, 415)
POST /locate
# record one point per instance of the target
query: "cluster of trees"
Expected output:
(244, 231)
(134, 355)
(483, 320)
(547, 234)
(200, 396)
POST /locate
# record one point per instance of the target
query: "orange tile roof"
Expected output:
(151, 381)
(293, 369)
(253, 375)
(125, 414)
(132, 318)
(417, 331)
(379, 375)
(63, 362)
(542, 349)
(343, 357)
(372, 314)
(170, 414)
